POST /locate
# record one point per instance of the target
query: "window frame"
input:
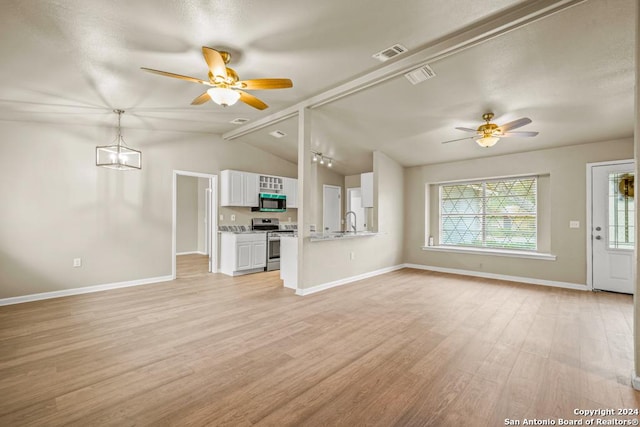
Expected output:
(483, 182)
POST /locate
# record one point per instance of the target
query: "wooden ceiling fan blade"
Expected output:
(467, 129)
(251, 100)
(176, 76)
(262, 84)
(214, 61)
(514, 124)
(460, 139)
(518, 134)
(201, 99)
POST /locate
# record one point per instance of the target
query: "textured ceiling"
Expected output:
(74, 61)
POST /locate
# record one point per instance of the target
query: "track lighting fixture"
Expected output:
(320, 158)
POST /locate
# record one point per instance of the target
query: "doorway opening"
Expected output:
(331, 208)
(611, 211)
(354, 204)
(194, 224)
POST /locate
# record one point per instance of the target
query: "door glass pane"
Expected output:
(621, 211)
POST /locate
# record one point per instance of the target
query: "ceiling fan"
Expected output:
(489, 133)
(226, 87)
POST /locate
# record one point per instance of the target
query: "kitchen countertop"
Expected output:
(320, 237)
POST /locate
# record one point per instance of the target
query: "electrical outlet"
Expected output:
(221, 217)
(233, 217)
(352, 255)
(77, 262)
(289, 219)
(574, 224)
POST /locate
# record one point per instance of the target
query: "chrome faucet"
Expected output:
(354, 225)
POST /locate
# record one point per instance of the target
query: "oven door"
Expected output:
(274, 248)
(273, 253)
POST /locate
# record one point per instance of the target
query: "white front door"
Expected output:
(613, 227)
(331, 208)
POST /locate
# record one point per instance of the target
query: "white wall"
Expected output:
(566, 192)
(328, 261)
(57, 205)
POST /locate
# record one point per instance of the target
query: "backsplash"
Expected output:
(244, 216)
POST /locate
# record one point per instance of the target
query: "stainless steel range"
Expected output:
(273, 229)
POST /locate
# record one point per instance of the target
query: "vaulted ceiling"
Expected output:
(572, 72)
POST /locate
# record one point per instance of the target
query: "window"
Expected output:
(490, 214)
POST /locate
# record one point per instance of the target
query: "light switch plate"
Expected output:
(574, 224)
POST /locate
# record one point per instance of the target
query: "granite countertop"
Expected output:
(319, 237)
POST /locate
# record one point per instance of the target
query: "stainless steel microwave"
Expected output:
(271, 202)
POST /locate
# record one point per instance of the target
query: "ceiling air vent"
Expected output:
(389, 52)
(277, 134)
(239, 121)
(420, 74)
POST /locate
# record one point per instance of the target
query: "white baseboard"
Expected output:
(635, 380)
(191, 253)
(83, 290)
(518, 279)
(329, 285)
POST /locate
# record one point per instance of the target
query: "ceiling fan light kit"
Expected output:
(118, 155)
(223, 96)
(487, 141)
(226, 87)
(488, 134)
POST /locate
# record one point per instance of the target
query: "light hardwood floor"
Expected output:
(192, 265)
(408, 348)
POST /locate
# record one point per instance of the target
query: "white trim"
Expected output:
(213, 225)
(472, 35)
(635, 380)
(83, 290)
(589, 224)
(340, 282)
(518, 279)
(191, 253)
(492, 251)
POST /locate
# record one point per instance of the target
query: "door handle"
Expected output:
(598, 237)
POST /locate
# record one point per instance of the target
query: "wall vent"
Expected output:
(277, 134)
(389, 52)
(420, 74)
(239, 121)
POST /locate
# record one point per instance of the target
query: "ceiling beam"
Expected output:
(472, 35)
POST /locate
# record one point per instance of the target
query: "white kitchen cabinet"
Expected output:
(242, 253)
(290, 189)
(366, 185)
(250, 189)
(238, 188)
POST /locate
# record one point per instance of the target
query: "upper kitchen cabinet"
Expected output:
(366, 185)
(238, 188)
(290, 189)
(251, 189)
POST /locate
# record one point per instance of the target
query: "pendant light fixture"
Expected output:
(118, 155)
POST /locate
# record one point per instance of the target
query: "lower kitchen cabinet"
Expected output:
(242, 253)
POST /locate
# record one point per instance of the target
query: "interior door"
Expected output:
(331, 208)
(613, 227)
